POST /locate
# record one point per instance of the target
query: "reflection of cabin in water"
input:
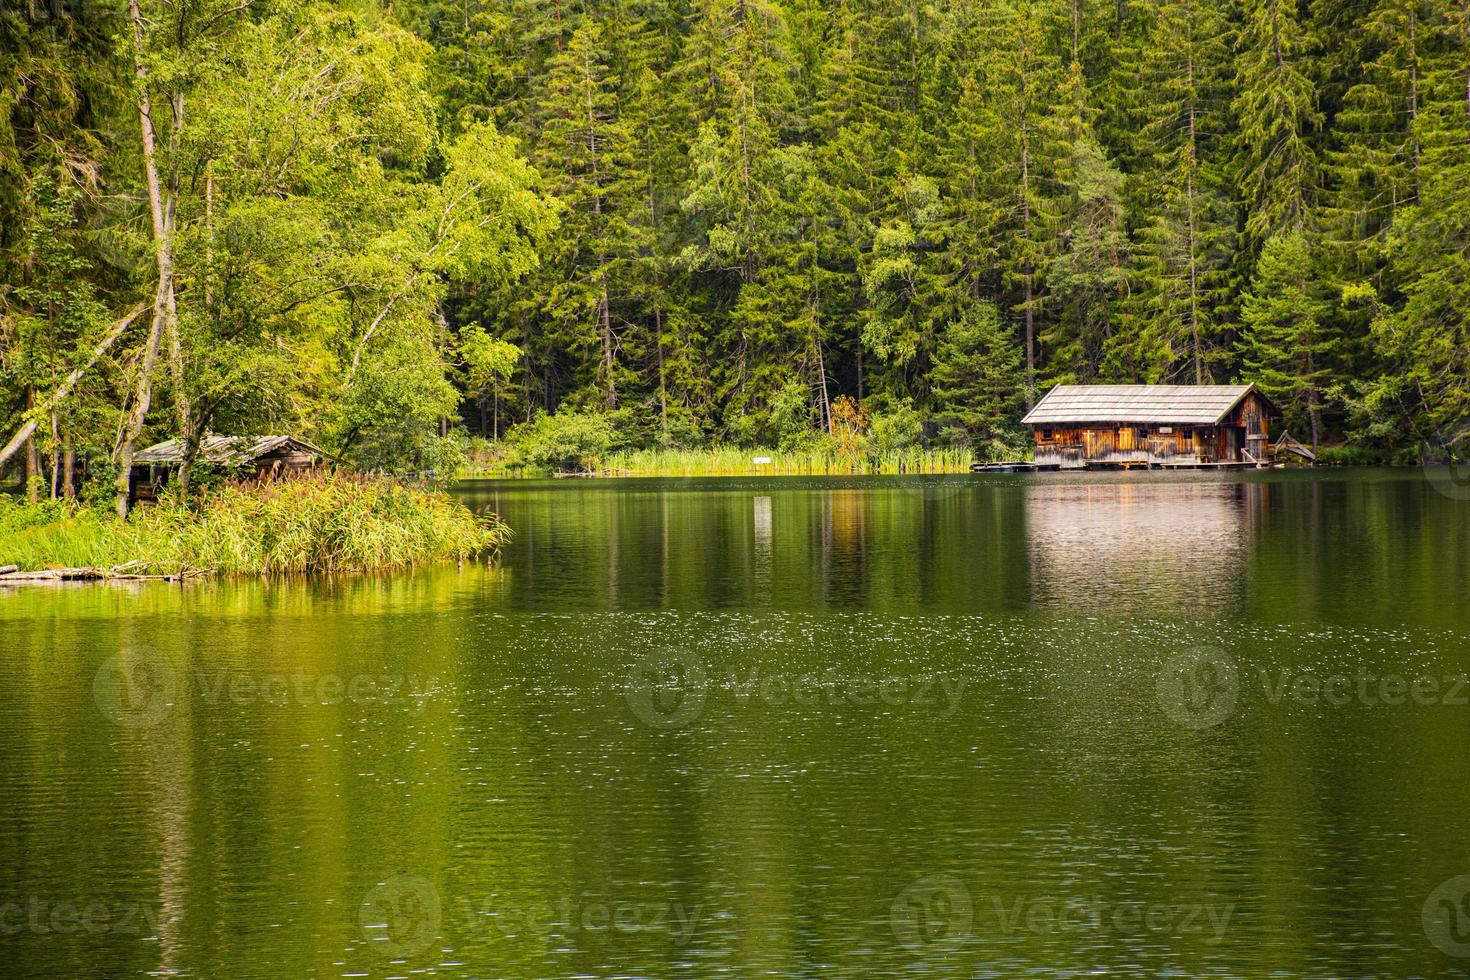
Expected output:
(1135, 546)
(263, 458)
(1085, 426)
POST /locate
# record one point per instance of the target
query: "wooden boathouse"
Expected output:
(1125, 426)
(262, 458)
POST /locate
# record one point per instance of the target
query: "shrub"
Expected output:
(568, 441)
(896, 431)
(1350, 456)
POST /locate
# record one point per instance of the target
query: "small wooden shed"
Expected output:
(1089, 426)
(262, 457)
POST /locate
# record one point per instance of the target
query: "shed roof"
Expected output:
(1167, 404)
(224, 450)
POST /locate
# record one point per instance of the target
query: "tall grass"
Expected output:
(322, 522)
(735, 461)
(731, 461)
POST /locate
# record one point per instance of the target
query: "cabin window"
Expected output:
(1046, 434)
(1141, 431)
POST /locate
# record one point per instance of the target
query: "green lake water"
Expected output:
(1029, 725)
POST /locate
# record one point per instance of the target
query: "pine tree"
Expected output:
(585, 150)
(1088, 277)
(1026, 91)
(1424, 391)
(741, 69)
(977, 377)
(1287, 349)
(905, 283)
(1179, 299)
(1276, 108)
(1374, 166)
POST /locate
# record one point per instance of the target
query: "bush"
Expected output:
(566, 441)
(1351, 456)
(896, 430)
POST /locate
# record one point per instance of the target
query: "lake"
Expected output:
(1162, 724)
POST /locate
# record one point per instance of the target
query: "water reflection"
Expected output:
(512, 797)
(1364, 545)
(1141, 547)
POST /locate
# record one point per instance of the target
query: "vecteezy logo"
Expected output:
(934, 909)
(1447, 916)
(1198, 688)
(136, 690)
(401, 915)
(1452, 476)
(666, 688)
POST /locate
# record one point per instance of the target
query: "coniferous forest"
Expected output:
(400, 229)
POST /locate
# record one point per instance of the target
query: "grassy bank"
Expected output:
(326, 522)
(732, 461)
(741, 462)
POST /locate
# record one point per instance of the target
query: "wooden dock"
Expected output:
(1011, 466)
(1026, 466)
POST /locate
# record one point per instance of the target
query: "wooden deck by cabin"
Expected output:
(1154, 426)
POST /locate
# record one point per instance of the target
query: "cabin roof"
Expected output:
(1167, 404)
(225, 450)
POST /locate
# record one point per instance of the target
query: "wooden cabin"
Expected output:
(1119, 426)
(263, 458)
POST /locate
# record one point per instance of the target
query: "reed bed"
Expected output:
(318, 523)
(730, 461)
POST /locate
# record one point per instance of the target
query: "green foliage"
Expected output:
(895, 431)
(566, 441)
(1276, 103)
(978, 378)
(1290, 349)
(711, 220)
(1088, 278)
(1352, 456)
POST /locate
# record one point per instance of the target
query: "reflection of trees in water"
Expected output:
(843, 536)
(1355, 543)
(1141, 547)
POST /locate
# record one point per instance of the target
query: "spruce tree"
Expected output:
(584, 151)
(1026, 92)
(1277, 115)
(1178, 303)
(1288, 348)
(977, 377)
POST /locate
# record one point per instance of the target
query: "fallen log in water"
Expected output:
(118, 573)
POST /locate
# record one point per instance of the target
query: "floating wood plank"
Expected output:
(15, 575)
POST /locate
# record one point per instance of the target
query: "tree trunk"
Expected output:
(33, 461)
(1026, 269)
(663, 396)
(55, 456)
(23, 434)
(188, 454)
(163, 250)
(607, 343)
(183, 411)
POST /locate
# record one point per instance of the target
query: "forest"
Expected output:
(417, 231)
